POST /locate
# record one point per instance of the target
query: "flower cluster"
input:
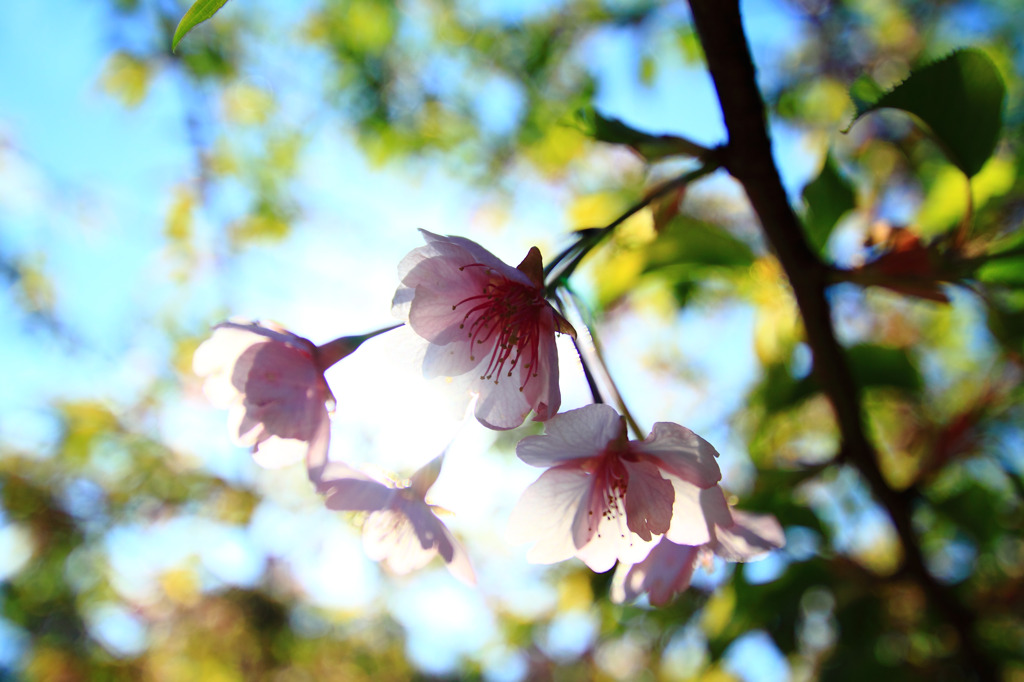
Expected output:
(652, 506)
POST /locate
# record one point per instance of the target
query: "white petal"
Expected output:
(390, 536)
(222, 349)
(689, 526)
(545, 515)
(459, 564)
(243, 428)
(215, 359)
(577, 434)
(276, 453)
(613, 542)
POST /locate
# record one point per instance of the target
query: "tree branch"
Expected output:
(748, 158)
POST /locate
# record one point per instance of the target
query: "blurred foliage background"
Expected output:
(136, 544)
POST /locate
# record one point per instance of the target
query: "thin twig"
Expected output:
(589, 238)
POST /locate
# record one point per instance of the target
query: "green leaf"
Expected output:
(651, 147)
(871, 366)
(864, 92)
(874, 367)
(960, 99)
(200, 11)
(1005, 320)
(883, 367)
(828, 197)
(1005, 271)
(686, 241)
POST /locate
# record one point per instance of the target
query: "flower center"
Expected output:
(609, 492)
(503, 320)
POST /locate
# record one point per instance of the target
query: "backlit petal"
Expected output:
(750, 537)
(545, 514)
(665, 573)
(648, 500)
(681, 452)
(689, 525)
(577, 434)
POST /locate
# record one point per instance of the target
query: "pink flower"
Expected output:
(606, 498)
(487, 322)
(666, 572)
(401, 529)
(272, 381)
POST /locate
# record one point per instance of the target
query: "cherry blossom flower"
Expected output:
(272, 382)
(401, 530)
(667, 570)
(606, 498)
(485, 322)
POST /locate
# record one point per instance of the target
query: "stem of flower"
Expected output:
(964, 229)
(589, 349)
(333, 351)
(588, 238)
(591, 382)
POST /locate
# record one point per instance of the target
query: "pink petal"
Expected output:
(574, 435)
(479, 254)
(648, 500)
(436, 313)
(681, 452)
(358, 493)
(545, 514)
(541, 391)
(316, 454)
(750, 537)
(271, 372)
(665, 573)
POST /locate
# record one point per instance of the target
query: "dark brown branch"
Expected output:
(748, 158)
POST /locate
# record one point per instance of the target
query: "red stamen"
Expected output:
(505, 319)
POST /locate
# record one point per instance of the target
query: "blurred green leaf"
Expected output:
(960, 98)
(200, 11)
(1004, 271)
(1006, 319)
(686, 241)
(828, 197)
(883, 367)
(872, 366)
